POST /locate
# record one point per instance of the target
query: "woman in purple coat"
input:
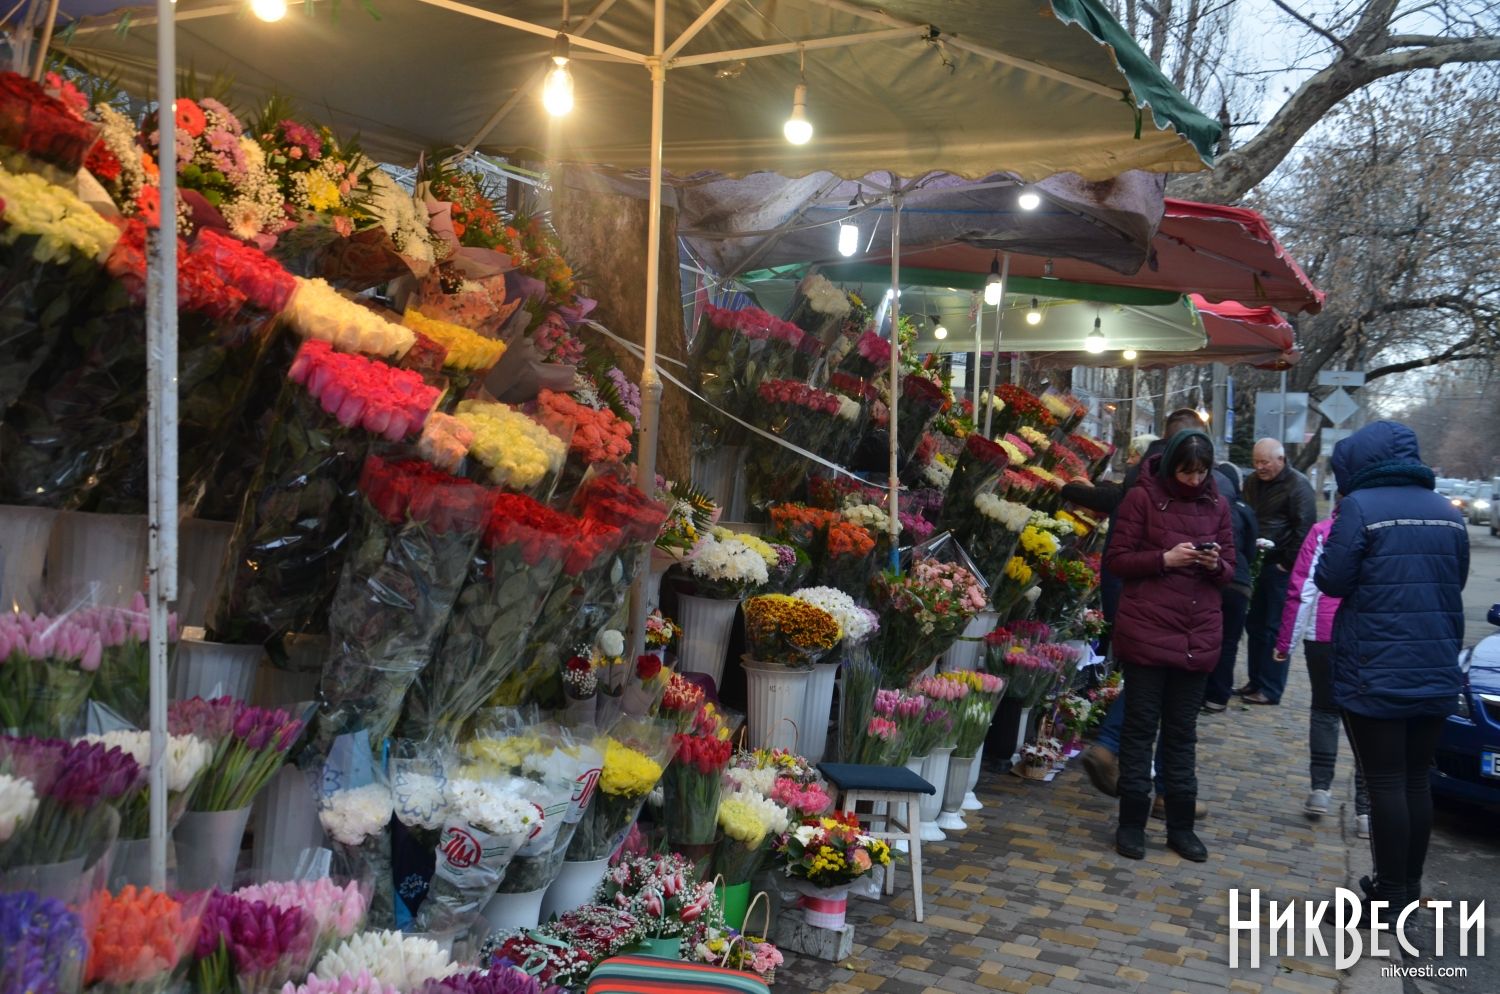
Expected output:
(1173, 546)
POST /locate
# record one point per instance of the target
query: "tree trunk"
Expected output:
(604, 237)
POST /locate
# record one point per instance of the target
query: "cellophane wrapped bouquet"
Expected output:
(143, 940)
(635, 755)
(662, 893)
(694, 778)
(922, 612)
(809, 419)
(750, 823)
(61, 801)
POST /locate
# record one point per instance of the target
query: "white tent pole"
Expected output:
(989, 407)
(540, 29)
(646, 431)
(668, 54)
(161, 416)
(782, 48)
(46, 40)
(895, 380)
(978, 363)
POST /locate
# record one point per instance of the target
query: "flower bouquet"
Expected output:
(67, 809)
(633, 764)
(831, 851)
(487, 822)
(661, 892)
(187, 758)
(781, 776)
(803, 417)
(720, 368)
(840, 550)
(870, 357)
(921, 401)
(414, 538)
(288, 545)
(1016, 407)
(47, 667)
(980, 466)
(692, 780)
(1066, 583)
(403, 962)
(1065, 409)
(788, 631)
(123, 681)
(142, 939)
(468, 355)
(725, 568)
(921, 613)
(945, 699)
(249, 746)
(521, 555)
(680, 702)
(572, 766)
(975, 709)
(819, 309)
(516, 453)
(42, 945)
(337, 910)
(564, 952)
(245, 944)
(597, 436)
(661, 631)
(645, 686)
(1094, 452)
(44, 126)
(995, 530)
(1021, 667)
(750, 822)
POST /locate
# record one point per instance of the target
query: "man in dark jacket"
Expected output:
(1285, 508)
(1398, 555)
(1236, 596)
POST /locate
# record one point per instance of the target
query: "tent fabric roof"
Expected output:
(1223, 253)
(968, 86)
(765, 220)
(1256, 336)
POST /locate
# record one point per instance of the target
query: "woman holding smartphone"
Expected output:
(1173, 546)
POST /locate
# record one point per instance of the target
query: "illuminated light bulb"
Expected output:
(557, 89)
(1128, 355)
(1095, 343)
(1034, 316)
(268, 10)
(1029, 200)
(848, 238)
(994, 286)
(798, 129)
(940, 333)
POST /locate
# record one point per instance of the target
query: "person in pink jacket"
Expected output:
(1307, 617)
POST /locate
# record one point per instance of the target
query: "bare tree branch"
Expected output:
(1237, 173)
(1313, 26)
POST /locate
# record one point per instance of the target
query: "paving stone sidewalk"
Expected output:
(1033, 897)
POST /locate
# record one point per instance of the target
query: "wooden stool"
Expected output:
(895, 787)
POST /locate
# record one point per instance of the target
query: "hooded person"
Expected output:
(1173, 547)
(1398, 556)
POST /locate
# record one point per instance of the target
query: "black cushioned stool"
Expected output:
(900, 790)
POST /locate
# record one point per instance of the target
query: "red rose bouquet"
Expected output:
(870, 357)
(1015, 407)
(42, 126)
(921, 401)
(410, 550)
(801, 416)
(291, 537)
(518, 559)
(692, 781)
(1093, 451)
(645, 686)
(720, 369)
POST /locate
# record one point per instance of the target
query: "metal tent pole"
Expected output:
(651, 387)
(161, 427)
(989, 407)
(895, 385)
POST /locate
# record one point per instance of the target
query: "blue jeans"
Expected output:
(1262, 626)
(1109, 737)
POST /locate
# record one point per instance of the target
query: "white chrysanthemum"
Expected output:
(855, 622)
(491, 806)
(1047, 523)
(403, 961)
(728, 560)
(17, 804)
(187, 755)
(871, 517)
(823, 296)
(419, 800)
(351, 816)
(1008, 513)
(759, 781)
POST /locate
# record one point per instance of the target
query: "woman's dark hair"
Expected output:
(1191, 451)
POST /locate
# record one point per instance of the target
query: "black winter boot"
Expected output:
(1180, 836)
(1130, 836)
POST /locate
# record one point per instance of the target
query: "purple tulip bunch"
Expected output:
(500, 980)
(42, 946)
(79, 785)
(251, 945)
(250, 744)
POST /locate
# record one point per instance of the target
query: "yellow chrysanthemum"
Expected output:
(740, 822)
(466, 349)
(628, 773)
(1038, 543)
(1018, 571)
(1079, 525)
(761, 547)
(322, 191)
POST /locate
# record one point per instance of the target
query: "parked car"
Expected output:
(1467, 764)
(1457, 492)
(1479, 504)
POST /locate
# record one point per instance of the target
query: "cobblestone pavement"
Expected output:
(1033, 897)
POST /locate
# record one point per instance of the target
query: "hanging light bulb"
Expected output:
(798, 129)
(1047, 270)
(939, 332)
(1029, 200)
(1034, 316)
(994, 286)
(268, 10)
(557, 89)
(1129, 355)
(848, 238)
(1095, 342)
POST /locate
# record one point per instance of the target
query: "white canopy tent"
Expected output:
(911, 86)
